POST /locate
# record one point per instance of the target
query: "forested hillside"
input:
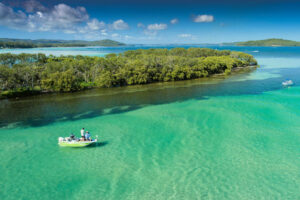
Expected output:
(23, 43)
(269, 42)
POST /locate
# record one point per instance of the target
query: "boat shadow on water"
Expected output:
(98, 144)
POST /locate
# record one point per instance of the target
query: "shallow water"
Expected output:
(226, 138)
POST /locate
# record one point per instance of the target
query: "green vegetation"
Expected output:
(25, 74)
(269, 42)
(20, 43)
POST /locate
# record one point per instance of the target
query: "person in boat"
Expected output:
(82, 134)
(87, 136)
(72, 136)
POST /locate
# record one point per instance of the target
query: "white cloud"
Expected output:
(150, 33)
(89, 36)
(33, 6)
(103, 32)
(152, 29)
(40, 14)
(185, 35)
(157, 27)
(94, 24)
(8, 17)
(115, 35)
(63, 13)
(120, 25)
(174, 21)
(127, 37)
(71, 31)
(203, 18)
(140, 25)
(60, 18)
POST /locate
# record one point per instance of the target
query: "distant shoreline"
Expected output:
(270, 43)
(8, 43)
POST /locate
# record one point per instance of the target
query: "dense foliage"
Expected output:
(269, 42)
(27, 73)
(22, 43)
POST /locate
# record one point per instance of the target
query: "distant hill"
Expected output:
(26, 43)
(268, 42)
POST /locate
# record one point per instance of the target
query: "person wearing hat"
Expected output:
(87, 135)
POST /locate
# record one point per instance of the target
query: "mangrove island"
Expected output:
(25, 74)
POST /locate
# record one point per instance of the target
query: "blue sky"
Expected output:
(151, 22)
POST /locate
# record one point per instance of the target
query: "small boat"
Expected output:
(287, 83)
(74, 142)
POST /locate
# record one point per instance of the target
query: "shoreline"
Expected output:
(30, 93)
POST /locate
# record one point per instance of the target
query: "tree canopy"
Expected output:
(269, 42)
(23, 43)
(27, 73)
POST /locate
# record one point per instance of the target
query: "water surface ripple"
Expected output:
(225, 138)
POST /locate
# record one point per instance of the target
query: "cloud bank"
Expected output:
(61, 17)
(33, 6)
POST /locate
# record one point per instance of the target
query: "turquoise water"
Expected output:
(225, 138)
